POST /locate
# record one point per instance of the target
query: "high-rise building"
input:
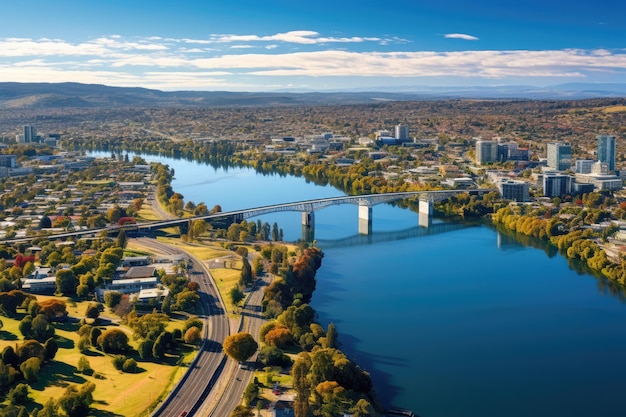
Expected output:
(402, 132)
(556, 185)
(486, 151)
(514, 190)
(606, 150)
(583, 166)
(30, 134)
(559, 156)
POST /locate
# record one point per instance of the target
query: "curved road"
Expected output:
(234, 379)
(190, 392)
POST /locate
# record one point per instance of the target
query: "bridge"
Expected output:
(306, 207)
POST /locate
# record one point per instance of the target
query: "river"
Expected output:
(454, 321)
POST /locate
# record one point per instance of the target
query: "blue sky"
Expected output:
(320, 45)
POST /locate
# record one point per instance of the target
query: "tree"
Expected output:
(18, 395)
(122, 239)
(242, 411)
(130, 366)
(31, 349)
(94, 334)
(113, 341)
(50, 409)
(93, 311)
(83, 366)
(112, 298)
(302, 385)
(51, 348)
(30, 369)
(250, 393)
(76, 401)
(53, 308)
(26, 327)
(246, 277)
(236, 295)
(66, 282)
(41, 330)
(192, 336)
(240, 346)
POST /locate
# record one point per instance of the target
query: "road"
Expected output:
(234, 380)
(192, 390)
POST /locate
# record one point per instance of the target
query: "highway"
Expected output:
(234, 380)
(192, 390)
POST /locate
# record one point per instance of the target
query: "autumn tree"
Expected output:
(240, 346)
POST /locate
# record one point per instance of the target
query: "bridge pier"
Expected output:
(308, 226)
(425, 213)
(365, 220)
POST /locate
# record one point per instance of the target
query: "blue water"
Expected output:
(459, 322)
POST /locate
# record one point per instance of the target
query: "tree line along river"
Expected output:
(457, 320)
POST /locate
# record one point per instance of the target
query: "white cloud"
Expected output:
(177, 63)
(460, 36)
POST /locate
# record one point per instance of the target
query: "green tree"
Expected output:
(18, 395)
(30, 369)
(236, 295)
(92, 311)
(240, 346)
(83, 366)
(66, 282)
(242, 411)
(302, 385)
(122, 239)
(250, 393)
(51, 348)
(76, 402)
(112, 298)
(26, 327)
(41, 330)
(130, 366)
(246, 278)
(94, 334)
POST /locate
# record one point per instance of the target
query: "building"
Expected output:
(559, 156)
(486, 151)
(556, 185)
(606, 150)
(583, 166)
(8, 161)
(402, 132)
(30, 134)
(513, 190)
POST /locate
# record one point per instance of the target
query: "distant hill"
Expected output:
(60, 95)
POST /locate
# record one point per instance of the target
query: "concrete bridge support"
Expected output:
(425, 213)
(308, 226)
(365, 220)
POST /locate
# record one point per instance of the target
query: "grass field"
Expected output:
(117, 393)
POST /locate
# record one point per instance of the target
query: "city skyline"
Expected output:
(278, 45)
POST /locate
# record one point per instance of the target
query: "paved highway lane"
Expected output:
(234, 380)
(195, 385)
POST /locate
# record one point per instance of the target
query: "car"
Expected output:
(183, 414)
(243, 366)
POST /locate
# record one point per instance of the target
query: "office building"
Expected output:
(402, 132)
(556, 185)
(559, 156)
(583, 166)
(30, 134)
(514, 190)
(486, 151)
(606, 150)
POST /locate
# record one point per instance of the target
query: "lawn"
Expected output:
(117, 393)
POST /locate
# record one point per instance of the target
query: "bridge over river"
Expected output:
(306, 207)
